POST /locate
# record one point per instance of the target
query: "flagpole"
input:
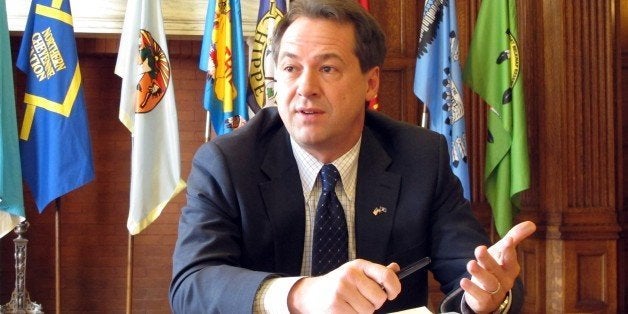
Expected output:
(207, 126)
(129, 261)
(424, 116)
(129, 275)
(57, 258)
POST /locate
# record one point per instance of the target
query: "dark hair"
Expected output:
(370, 46)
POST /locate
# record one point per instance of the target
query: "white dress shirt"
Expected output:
(272, 296)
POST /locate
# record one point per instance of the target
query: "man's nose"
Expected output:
(308, 84)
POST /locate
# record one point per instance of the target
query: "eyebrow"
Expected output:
(321, 57)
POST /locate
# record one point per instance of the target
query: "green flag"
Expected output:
(11, 198)
(493, 71)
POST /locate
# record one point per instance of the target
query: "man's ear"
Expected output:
(372, 81)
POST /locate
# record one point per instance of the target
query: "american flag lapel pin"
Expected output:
(379, 210)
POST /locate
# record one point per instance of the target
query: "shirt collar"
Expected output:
(309, 167)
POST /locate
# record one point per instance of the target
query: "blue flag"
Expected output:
(222, 57)
(261, 92)
(54, 139)
(438, 82)
(11, 197)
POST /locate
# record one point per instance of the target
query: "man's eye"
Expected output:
(327, 69)
(288, 69)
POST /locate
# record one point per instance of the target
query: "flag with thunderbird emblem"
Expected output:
(147, 109)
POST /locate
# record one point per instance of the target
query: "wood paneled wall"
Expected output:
(571, 72)
(569, 56)
(573, 115)
(622, 70)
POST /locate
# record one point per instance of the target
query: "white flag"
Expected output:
(148, 110)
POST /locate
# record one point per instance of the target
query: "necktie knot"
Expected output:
(329, 177)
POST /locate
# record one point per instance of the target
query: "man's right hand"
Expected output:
(358, 286)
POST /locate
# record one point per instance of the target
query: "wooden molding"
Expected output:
(532, 256)
(593, 287)
(181, 17)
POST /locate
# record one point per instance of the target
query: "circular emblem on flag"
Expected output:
(262, 67)
(154, 71)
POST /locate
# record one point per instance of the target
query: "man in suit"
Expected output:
(247, 232)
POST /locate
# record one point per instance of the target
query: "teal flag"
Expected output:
(11, 198)
(493, 70)
(55, 144)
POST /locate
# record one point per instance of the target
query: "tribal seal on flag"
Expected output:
(262, 67)
(154, 73)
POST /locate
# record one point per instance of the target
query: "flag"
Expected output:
(438, 82)
(55, 144)
(364, 4)
(222, 57)
(493, 71)
(261, 89)
(148, 110)
(11, 197)
(372, 104)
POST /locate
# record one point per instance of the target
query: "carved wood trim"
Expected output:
(576, 115)
(593, 288)
(531, 254)
(400, 20)
(181, 17)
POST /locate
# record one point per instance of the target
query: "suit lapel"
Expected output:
(377, 191)
(376, 199)
(283, 199)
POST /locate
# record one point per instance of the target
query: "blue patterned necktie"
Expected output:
(330, 243)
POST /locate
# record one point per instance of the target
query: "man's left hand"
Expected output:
(494, 270)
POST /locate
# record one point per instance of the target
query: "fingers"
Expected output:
(517, 233)
(495, 269)
(509, 260)
(505, 268)
(478, 299)
(488, 284)
(476, 291)
(391, 282)
(486, 272)
(365, 296)
(394, 266)
(486, 260)
(384, 277)
(357, 286)
(521, 231)
(370, 285)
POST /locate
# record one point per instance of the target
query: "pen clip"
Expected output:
(410, 269)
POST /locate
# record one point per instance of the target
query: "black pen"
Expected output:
(408, 270)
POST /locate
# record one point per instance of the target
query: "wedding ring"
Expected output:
(499, 287)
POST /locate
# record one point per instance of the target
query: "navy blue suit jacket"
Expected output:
(244, 220)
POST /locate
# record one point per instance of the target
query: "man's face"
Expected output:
(321, 90)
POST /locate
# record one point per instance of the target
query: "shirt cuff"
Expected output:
(272, 296)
